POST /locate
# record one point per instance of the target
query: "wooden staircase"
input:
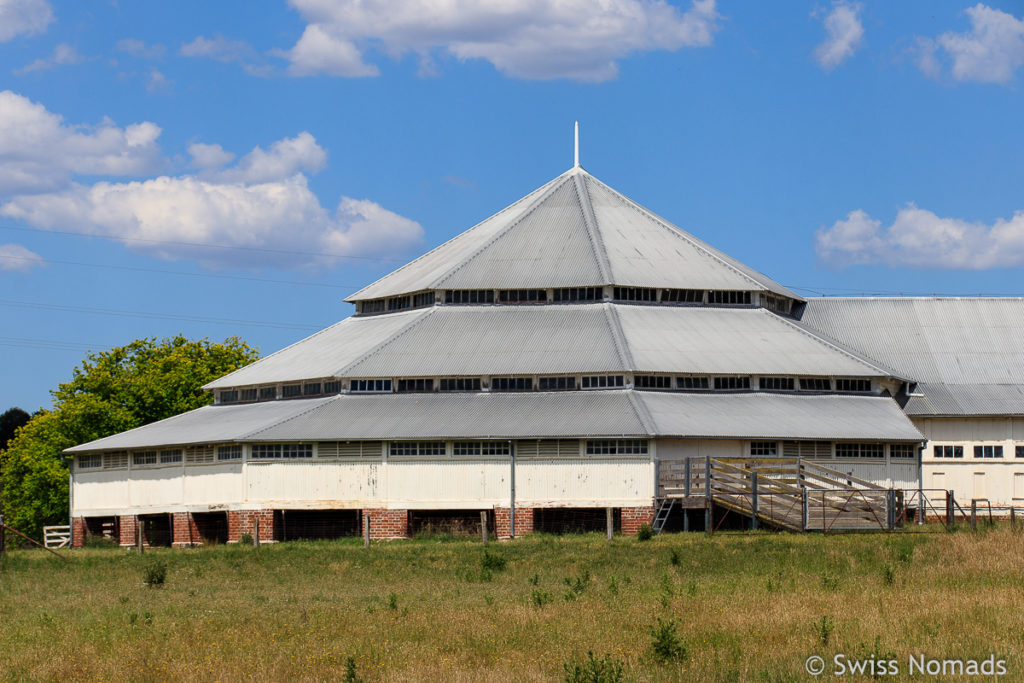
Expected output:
(786, 493)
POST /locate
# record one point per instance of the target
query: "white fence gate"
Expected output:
(57, 536)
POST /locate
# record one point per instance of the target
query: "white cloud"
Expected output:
(533, 39)
(279, 215)
(285, 158)
(844, 35)
(62, 54)
(23, 17)
(38, 151)
(209, 156)
(227, 51)
(156, 81)
(261, 204)
(922, 239)
(991, 52)
(140, 49)
(18, 258)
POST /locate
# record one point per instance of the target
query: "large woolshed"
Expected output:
(571, 354)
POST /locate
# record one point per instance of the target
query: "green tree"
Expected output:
(9, 423)
(111, 391)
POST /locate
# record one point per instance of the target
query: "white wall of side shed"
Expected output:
(1000, 480)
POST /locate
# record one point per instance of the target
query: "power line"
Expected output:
(175, 272)
(121, 238)
(156, 316)
(51, 344)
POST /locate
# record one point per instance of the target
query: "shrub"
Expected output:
(493, 561)
(246, 539)
(645, 532)
(155, 573)
(666, 644)
(593, 670)
(540, 598)
(576, 585)
(350, 671)
(392, 601)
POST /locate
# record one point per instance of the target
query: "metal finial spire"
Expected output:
(576, 153)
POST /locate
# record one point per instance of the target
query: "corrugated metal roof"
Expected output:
(554, 339)
(574, 231)
(529, 415)
(645, 250)
(731, 341)
(779, 416)
(210, 424)
(967, 353)
(325, 353)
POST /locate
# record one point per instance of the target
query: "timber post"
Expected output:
(609, 521)
(483, 526)
(753, 500)
(366, 530)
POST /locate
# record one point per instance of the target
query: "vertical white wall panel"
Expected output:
(314, 483)
(586, 482)
(454, 484)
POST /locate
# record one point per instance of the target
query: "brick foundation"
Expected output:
(244, 522)
(524, 522)
(632, 518)
(126, 530)
(78, 532)
(184, 533)
(388, 523)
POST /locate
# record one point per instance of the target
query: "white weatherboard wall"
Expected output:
(443, 482)
(1000, 480)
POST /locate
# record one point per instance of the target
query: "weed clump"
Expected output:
(155, 573)
(666, 643)
(350, 671)
(540, 598)
(594, 670)
(675, 558)
(576, 585)
(246, 539)
(823, 629)
(645, 532)
(493, 561)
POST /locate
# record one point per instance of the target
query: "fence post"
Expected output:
(805, 516)
(974, 514)
(686, 479)
(138, 535)
(753, 501)
(609, 522)
(1013, 519)
(483, 528)
(709, 512)
(366, 530)
(256, 530)
(950, 509)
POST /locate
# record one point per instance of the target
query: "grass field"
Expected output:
(732, 607)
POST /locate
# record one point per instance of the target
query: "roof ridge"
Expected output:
(642, 413)
(249, 435)
(279, 351)
(540, 191)
(527, 211)
(679, 233)
(590, 221)
(426, 314)
(826, 340)
(618, 336)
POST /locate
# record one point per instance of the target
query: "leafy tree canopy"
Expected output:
(111, 391)
(9, 423)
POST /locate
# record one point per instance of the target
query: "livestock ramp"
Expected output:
(784, 493)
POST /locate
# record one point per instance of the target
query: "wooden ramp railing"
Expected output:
(789, 493)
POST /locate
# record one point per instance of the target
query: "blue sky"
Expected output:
(206, 169)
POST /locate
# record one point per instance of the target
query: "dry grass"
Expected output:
(746, 605)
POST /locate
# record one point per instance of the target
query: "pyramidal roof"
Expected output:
(575, 231)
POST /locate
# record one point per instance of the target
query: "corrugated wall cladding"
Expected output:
(754, 415)
(967, 353)
(575, 231)
(496, 340)
(585, 482)
(210, 424)
(309, 482)
(730, 341)
(325, 353)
